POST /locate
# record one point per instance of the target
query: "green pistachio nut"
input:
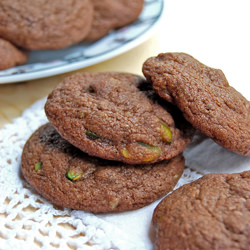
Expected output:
(166, 133)
(74, 176)
(92, 135)
(38, 166)
(125, 153)
(154, 154)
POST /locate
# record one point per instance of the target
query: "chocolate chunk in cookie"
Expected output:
(205, 98)
(44, 24)
(70, 178)
(210, 213)
(10, 55)
(112, 116)
(113, 14)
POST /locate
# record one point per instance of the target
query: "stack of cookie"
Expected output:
(112, 144)
(115, 143)
(40, 24)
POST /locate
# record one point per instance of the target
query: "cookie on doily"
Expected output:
(114, 116)
(70, 178)
(210, 213)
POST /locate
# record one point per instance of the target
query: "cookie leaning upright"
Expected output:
(205, 98)
(210, 213)
(45, 24)
(70, 178)
(112, 116)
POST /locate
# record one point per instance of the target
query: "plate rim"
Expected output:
(86, 63)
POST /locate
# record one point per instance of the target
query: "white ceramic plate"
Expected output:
(47, 63)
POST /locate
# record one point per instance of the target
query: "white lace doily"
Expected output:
(27, 221)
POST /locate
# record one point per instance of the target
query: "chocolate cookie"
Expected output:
(70, 178)
(205, 98)
(11, 56)
(210, 213)
(113, 14)
(44, 24)
(111, 116)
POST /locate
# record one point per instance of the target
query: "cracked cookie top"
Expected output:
(116, 117)
(45, 24)
(205, 98)
(210, 213)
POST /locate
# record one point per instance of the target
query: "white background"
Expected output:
(216, 32)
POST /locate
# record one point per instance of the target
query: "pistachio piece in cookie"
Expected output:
(141, 150)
